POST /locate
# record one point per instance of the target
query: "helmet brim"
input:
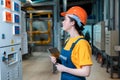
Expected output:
(63, 13)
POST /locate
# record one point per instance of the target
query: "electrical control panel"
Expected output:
(24, 34)
(11, 68)
(111, 40)
(99, 35)
(10, 22)
(10, 40)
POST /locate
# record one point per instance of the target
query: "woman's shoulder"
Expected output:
(83, 41)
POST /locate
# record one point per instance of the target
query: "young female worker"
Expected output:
(76, 55)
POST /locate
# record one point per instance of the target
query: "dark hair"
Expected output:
(78, 28)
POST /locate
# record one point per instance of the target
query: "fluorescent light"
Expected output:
(29, 1)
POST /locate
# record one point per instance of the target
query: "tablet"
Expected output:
(54, 52)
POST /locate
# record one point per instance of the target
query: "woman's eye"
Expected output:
(63, 19)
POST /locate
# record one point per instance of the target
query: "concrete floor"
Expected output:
(39, 67)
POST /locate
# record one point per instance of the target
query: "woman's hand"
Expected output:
(61, 67)
(53, 59)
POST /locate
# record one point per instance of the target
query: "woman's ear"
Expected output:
(72, 23)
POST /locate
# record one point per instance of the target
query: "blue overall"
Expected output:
(65, 58)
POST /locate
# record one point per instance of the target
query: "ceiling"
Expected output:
(86, 4)
(48, 4)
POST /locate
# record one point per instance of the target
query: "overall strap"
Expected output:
(73, 45)
(66, 42)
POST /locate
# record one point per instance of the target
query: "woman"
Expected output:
(76, 55)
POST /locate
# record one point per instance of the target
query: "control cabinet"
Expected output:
(10, 40)
(24, 44)
(111, 40)
(99, 35)
(10, 64)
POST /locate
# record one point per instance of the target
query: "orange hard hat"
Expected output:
(79, 12)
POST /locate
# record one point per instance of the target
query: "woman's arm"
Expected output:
(84, 71)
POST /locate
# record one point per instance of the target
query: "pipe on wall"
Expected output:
(32, 33)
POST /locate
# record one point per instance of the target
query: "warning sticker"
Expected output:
(8, 4)
(8, 17)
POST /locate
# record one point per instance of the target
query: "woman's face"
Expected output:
(67, 23)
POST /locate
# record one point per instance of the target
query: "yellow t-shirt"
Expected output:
(81, 54)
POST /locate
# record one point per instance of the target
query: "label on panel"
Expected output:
(8, 16)
(16, 30)
(16, 18)
(16, 7)
(8, 4)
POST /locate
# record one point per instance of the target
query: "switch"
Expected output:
(3, 36)
(1, 2)
(4, 59)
